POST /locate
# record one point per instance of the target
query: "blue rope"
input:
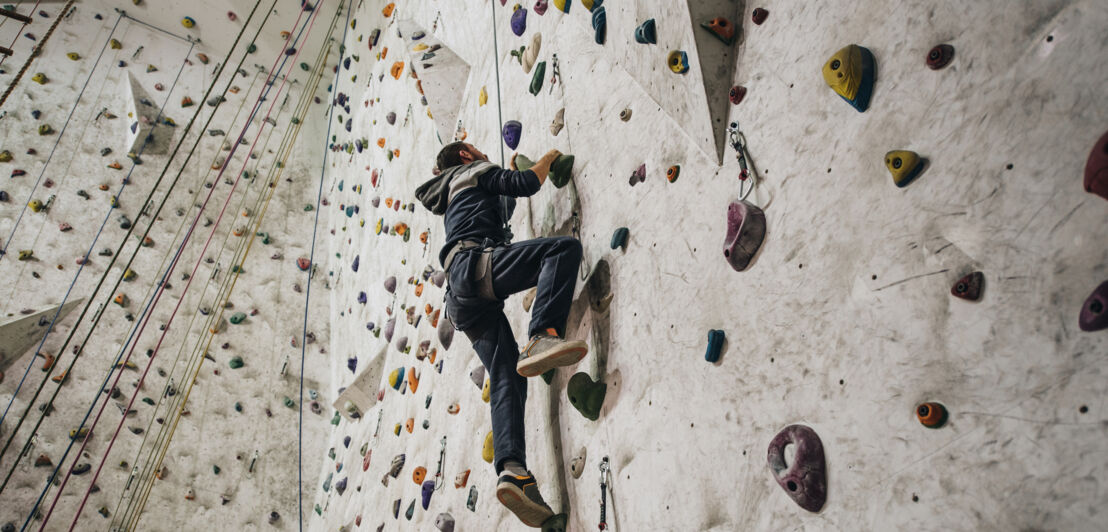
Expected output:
(165, 275)
(308, 291)
(18, 219)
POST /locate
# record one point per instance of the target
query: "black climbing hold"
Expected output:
(646, 33)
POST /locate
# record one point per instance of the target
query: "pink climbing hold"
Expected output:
(232, 16)
(639, 175)
(303, 263)
(746, 229)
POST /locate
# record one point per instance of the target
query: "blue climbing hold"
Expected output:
(646, 33)
(354, 266)
(519, 21)
(715, 345)
(512, 132)
(600, 24)
(619, 238)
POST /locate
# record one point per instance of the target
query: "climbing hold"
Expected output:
(390, 326)
(410, 424)
(721, 28)
(931, 415)
(477, 375)
(715, 345)
(36, 205)
(563, 5)
(619, 238)
(905, 166)
(418, 474)
(625, 114)
(114, 44)
(410, 511)
(678, 61)
(387, 11)
(746, 229)
(482, 97)
(540, 7)
(5, 156)
(1096, 168)
(151, 68)
(43, 461)
(673, 172)
(303, 263)
(413, 378)
(736, 95)
(577, 465)
(188, 22)
(519, 21)
(486, 391)
(45, 129)
(536, 79)
(444, 522)
(585, 395)
(18, 173)
(73, 55)
(487, 449)
(850, 73)
(238, 317)
(511, 133)
(639, 175)
(555, 523)
(646, 33)
(397, 69)
(759, 16)
(561, 170)
(390, 284)
(532, 54)
(428, 488)
(461, 479)
(453, 409)
(940, 56)
(202, 57)
(600, 24)
(804, 478)
(235, 363)
(390, 118)
(1094, 313)
(969, 287)
(558, 123)
(396, 378)
(40, 78)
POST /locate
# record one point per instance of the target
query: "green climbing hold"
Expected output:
(585, 395)
(537, 78)
(236, 363)
(238, 317)
(308, 208)
(523, 163)
(335, 420)
(561, 170)
(148, 401)
(237, 269)
(304, 67)
(238, 406)
(253, 48)
(318, 510)
(216, 469)
(289, 402)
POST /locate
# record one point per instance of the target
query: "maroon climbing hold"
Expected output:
(940, 56)
(746, 229)
(639, 175)
(1096, 168)
(1094, 313)
(969, 287)
(759, 16)
(303, 264)
(805, 478)
(738, 92)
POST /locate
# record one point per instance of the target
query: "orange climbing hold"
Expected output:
(435, 319)
(461, 480)
(418, 474)
(400, 228)
(397, 69)
(381, 142)
(60, 377)
(419, 289)
(396, 152)
(121, 300)
(48, 363)
(387, 11)
(388, 203)
(410, 424)
(931, 415)
(238, 231)
(413, 381)
(114, 166)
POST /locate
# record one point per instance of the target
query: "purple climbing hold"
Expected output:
(369, 325)
(390, 118)
(402, 343)
(540, 7)
(805, 478)
(639, 175)
(357, 260)
(446, 333)
(362, 298)
(390, 326)
(4, 196)
(340, 486)
(1094, 313)
(746, 228)
(346, 442)
(390, 284)
(512, 132)
(352, 364)
(428, 490)
(519, 21)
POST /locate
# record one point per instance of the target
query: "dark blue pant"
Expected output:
(551, 264)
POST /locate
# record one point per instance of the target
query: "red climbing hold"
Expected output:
(1096, 168)
(738, 92)
(969, 287)
(746, 229)
(303, 264)
(759, 16)
(940, 56)
(804, 478)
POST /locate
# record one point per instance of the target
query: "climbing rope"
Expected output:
(283, 58)
(69, 290)
(115, 256)
(34, 51)
(30, 13)
(308, 289)
(61, 133)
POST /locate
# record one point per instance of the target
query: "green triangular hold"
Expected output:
(561, 171)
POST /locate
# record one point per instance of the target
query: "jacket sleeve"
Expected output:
(503, 182)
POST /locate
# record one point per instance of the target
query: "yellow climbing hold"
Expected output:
(129, 275)
(39, 78)
(35, 205)
(26, 254)
(562, 5)
(5, 156)
(380, 225)
(188, 22)
(587, 4)
(487, 450)
(420, 47)
(73, 55)
(115, 44)
(483, 98)
(485, 392)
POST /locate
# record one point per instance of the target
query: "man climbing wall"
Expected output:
(483, 268)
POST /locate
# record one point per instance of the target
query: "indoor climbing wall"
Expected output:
(881, 279)
(164, 165)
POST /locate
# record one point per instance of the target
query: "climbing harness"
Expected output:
(604, 469)
(738, 142)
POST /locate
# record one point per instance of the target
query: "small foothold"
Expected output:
(673, 172)
(759, 16)
(1096, 168)
(1094, 312)
(585, 395)
(646, 33)
(804, 478)
(736, 94)
(678, 61)
(477, 375)
(235, 363)
(850, 73)
(303, 264)
(511, 132)
(577, 465)
(940, 56)
(188, 22)
(721, 28)
(639, 175)
(461, 479)
(418, 474)
(905, 166)
(487, 449)
(619, 238)
(625, 114)
(715, 345)
(746, 229)
(969, 287)
(931, 415)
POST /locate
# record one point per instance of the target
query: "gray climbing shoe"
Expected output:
(546, 351)
(521, 495)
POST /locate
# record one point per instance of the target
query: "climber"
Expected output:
(483, 267)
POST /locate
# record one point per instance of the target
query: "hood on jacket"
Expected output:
(436, 193)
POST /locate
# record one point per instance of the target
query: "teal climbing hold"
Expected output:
(289, 402)
(619, 238)
(646, 33)
(235, 363)
(600, 24)
(715, 345)
(238, 317)
(410, 511)
(216, 469)
(336, 419)
(148, 401)
(537, 78)
(238, 406)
